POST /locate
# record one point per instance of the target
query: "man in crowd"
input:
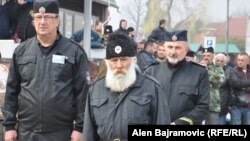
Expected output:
(123, 97)
(47, 84)
(131, 32)
(186, 85)
(140, 46)
(239, 81)
(190, 56)
(216, 78)
(122, 27)
(224, 90)
(146, 57)
(160, 33)
(161, 52)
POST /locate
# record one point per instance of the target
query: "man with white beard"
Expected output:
(123, 96)
(186, 84)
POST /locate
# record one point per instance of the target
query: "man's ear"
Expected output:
(59, 21)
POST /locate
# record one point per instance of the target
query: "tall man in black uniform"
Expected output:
(185, 83)
(46, 83)
(122, 97)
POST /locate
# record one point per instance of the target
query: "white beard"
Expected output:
(120, 82)
(172, 60)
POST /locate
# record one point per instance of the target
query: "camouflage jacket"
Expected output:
(216, 78)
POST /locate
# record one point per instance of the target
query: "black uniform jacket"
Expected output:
(108, 114)
(46, 91)
(187, 89)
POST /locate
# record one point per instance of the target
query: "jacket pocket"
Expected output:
(27, 67)
(99, 106)
(189, 96)
(188, 90)
(138, 109)
(63, 71)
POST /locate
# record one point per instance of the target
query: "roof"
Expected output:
(107, 2)
(220, 48)
(237, 27)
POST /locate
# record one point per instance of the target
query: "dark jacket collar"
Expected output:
(240, 69)
(178, 65)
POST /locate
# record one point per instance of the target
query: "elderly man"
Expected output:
(224, 90)
(123, 97)
(46, 83)
(185, 83)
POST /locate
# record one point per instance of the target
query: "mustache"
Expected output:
(120, 71)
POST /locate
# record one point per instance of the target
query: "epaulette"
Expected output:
(197, 64)
(77, 44)
(152, 64)
(153, 79)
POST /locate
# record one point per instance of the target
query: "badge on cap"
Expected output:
(107, 30)
(205, 50)
(42, 10)
(174, 37)
(118, 49)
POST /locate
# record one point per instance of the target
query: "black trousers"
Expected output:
(62, 135)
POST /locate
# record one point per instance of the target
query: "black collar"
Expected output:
(178, 65)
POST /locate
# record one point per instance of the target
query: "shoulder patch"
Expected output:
(194, 63)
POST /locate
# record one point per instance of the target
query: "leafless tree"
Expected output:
(135, 11)
(244, 12)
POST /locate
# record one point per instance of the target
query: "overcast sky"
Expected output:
(216, 10)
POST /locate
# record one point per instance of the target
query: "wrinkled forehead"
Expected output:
(177, 43)
(243, 57)
(42, 14)
(220, 58)
(207, 54)
(127, 58)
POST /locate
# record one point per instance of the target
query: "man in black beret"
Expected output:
(108, 29)
(46, 83)
(190, 56)
(122, 97)
(131, 32)
(209, 49)
(185, 83)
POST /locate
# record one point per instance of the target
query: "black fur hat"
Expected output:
(119, 45)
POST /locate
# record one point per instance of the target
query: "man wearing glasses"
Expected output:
(46, 84)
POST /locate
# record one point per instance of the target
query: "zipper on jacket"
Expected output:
(43, 90)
